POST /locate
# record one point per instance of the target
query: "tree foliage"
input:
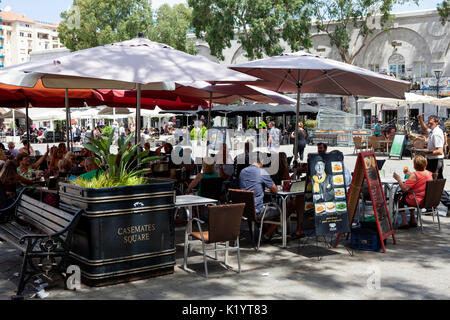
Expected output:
(92, 23)
(338, 19)
(258, 25)
(444, 10)
(171, 27)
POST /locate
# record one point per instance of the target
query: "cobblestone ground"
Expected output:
(415, 268)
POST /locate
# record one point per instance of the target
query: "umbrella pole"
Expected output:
(297, 117)
(28, 125)
(138, 114)
(14, 123)
(209, 110)
(66, 101)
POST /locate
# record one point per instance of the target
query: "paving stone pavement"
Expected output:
(415, 268)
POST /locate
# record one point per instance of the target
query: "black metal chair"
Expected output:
(433, 192)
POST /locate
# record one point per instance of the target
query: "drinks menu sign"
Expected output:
(325, 196)
(366, 169)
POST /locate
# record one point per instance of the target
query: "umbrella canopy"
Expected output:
(167, 100)
(301, 72)
(441, 102)
(41, 97)
(410, 98)
(111, 111)
(85, 114)
(230, 93)
(317, 74)
(258, 108)
(17, 114)
(125, 64)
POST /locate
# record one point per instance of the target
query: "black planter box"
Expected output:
(127, 233)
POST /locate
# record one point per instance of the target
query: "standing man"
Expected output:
(435, 154)
(377, 129)
(274, 137)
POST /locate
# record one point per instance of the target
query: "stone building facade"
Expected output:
(413, 47)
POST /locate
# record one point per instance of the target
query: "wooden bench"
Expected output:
(43, 233)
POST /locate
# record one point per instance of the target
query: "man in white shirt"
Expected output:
(435, 154)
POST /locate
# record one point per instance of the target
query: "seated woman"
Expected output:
(11, 180)
(416, 183)
(25, 168)
(168, 148)
(55, 157)
(208, 172)
(294, 205)
(65, 168)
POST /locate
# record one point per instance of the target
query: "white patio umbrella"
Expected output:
(302, 72)
(134, 64)
(441, 102)
(410, 98)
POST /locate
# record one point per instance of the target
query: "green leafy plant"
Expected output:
(310, 124)
(107, 130)
(117, 169)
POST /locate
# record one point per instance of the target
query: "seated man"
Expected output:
(92, 169)
(257, 179)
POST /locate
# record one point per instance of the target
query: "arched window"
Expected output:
(397, 65)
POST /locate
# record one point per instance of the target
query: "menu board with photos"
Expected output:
(325, 195)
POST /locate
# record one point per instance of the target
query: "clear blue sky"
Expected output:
(49, 10)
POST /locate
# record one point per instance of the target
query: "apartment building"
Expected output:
(20, 36)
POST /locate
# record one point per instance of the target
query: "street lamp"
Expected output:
(437, 74)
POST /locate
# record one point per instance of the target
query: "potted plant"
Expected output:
(127, 232)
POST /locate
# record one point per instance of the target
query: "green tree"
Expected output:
(258, 25)
(172, 25)
(444, 10)
(340, 19)
(92, 23)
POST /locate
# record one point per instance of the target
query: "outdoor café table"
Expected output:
(389, 184)
(188, 202)
(386, 145)
(284, 196)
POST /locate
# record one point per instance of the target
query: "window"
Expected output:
(397, 65)
(22, 34)
(30, 35)
(374, 67)
(27, 25)
(420, 69)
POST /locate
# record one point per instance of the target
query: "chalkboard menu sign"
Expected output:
(325, 196)
(398, 145)
(366, 168)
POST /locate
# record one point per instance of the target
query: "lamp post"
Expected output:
(437, 74)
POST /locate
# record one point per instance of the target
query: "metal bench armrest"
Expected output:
(14, 203)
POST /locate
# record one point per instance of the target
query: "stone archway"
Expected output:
(414, 48)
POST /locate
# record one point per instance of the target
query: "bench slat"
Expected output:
(11, 239)
(44, 214)
(12, 230)
(37, 221)
(60, 213)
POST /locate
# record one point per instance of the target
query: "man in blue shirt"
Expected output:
(377, 128)
(256, 179)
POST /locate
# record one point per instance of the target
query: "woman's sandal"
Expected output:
(405, 226)
(413, 225)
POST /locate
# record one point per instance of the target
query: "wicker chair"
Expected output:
(359, 144)
(417, 143)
